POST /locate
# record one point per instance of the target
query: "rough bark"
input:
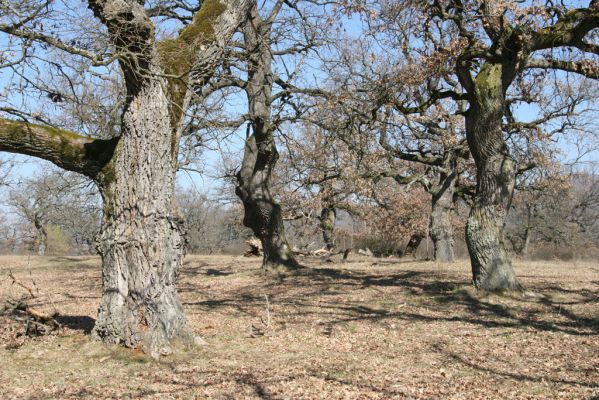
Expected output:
(440, 228)
(328, 216)
(262, 212)
(491, 266)
(141, 241)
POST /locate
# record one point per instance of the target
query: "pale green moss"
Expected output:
(62, 141)
(178, 55)
(488, 80)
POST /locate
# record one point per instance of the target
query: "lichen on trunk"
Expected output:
(491, 266)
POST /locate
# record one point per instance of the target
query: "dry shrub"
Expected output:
(547, 252)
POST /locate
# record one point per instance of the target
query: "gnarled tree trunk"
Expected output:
(440, 227)
(141, 241)
(328, 216)
(491, 266)
(262, 212)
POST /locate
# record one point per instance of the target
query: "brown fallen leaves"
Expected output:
(355, 330)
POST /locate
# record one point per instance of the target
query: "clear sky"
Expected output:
(207, 181)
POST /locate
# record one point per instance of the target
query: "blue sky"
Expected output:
(29, 167)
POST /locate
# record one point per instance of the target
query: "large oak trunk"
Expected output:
(440, 227)
(491, 266)
(141, 241)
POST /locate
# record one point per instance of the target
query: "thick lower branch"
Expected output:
(66, 149)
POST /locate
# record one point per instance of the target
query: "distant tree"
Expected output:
(558, 210)
(63, 200)
(211, 227)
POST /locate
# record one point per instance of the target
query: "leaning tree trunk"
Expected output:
(262, 213)
(141, 241)
(440, 227)
(328, 216)
(491, 266)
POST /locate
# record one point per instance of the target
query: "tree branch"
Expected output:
(66, 149)
(586, 68)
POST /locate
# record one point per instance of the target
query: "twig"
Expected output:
(18, 283)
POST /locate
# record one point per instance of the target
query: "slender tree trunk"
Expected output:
(262, 213)
(42, 237)
(523, 251)
(141, 240)
(327, 225)
(413, 245)
(440, 227)
(491, 266)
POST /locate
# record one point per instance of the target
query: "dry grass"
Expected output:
(360, 330)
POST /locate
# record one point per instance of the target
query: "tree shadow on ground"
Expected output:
(82, 323)
(455, 357)
(435, 297)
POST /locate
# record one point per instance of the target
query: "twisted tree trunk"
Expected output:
(262, 212)
(491, 266)
(141, 241)
(440, 227)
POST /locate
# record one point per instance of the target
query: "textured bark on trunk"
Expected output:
(141, 241)
(327, 225)
(440, 227)
(491, 266)
(262, 213)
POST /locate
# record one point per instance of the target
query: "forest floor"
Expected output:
(365, 329)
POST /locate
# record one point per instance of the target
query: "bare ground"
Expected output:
(366, 329)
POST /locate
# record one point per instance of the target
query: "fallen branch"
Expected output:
(37, 323)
